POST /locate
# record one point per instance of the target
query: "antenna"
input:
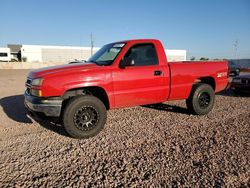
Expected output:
(91, 43)
(236, 43)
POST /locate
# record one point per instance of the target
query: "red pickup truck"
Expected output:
(121, 74)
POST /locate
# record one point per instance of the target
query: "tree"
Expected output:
(204, 59)
(192, 58)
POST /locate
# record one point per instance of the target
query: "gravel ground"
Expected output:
(153, 146)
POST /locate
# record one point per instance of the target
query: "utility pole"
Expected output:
(91, 43)
(236, 43)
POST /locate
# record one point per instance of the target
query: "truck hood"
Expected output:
(38, 73)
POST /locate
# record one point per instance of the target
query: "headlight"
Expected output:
(236, 80)
(36, 92)
(37, 82)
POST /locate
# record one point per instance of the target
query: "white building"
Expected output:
(37, 53)
(5, 54)
(64, 54)
(176, 55)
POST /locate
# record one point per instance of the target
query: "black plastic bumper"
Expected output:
(50, 107)
(243, 88)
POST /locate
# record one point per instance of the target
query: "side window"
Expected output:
(143, 55)
(3, 54)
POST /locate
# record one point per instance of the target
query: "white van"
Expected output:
(5, 54)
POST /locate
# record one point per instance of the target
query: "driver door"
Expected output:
(141, 80)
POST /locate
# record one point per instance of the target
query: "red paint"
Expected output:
(133, 85)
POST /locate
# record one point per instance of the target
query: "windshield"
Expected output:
(107, 54)
(232, 64)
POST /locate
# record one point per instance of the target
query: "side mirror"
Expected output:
(125, 62)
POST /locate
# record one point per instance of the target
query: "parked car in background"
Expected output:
(233, 68)
(5, 54)
(241, 84)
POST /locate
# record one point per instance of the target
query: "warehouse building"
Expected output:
(176, 55)
(38, 53)
(63, 54)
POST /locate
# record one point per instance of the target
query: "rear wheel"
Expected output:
(84, 116)
(201, 99)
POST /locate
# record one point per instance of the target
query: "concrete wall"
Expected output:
(26, 65)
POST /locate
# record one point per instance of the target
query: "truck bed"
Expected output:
(185, 73)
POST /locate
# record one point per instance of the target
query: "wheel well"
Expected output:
(96, 91)
(207, 80)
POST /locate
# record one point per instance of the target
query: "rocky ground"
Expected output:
(153, 146)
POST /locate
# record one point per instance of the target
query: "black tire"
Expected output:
(201, 99)
(84, 116)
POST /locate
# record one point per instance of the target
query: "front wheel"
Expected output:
(84, 116)
(201, 99)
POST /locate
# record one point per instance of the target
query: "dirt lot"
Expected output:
(157, 146)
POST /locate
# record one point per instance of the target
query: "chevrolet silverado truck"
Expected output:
(121, 74)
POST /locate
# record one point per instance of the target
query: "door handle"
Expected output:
(157, 72)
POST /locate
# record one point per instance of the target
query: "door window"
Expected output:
(142, 55)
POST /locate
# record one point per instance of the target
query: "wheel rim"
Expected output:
(204, 100)
(86, 118)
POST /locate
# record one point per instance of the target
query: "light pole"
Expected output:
(236, 43)
(91, 43)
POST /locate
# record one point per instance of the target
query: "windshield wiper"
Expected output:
(91, 61)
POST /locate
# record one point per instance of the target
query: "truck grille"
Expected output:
(28, 82)
(244, 81)
(28, 85)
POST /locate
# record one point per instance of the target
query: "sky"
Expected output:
(205, 28)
